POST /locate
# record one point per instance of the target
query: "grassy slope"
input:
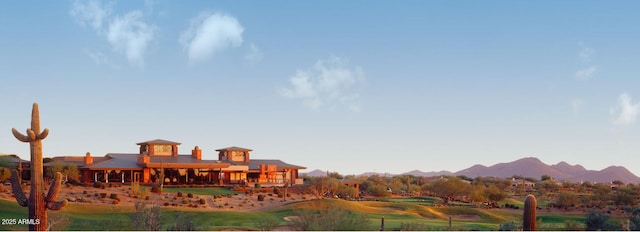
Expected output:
(91, 217)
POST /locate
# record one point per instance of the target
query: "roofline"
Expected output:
(156, 141)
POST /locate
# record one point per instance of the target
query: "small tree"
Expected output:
(596, 220)
(56, 166)
(71, 171)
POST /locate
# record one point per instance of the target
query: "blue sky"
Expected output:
(347, 86)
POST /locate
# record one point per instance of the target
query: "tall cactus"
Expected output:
(529, 216)
(37, 202)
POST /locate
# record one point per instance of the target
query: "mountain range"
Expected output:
(528, 167)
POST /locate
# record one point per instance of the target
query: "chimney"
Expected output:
(196, 153)
(88, 160)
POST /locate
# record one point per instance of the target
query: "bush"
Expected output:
(257, 185)
(166, 204)
(103, 195)
(190, 195)
(276, 190)
(179, 194)
(266, 223)
(155, 189)
(183, 223)
(115, 202)
(203, 201)
(98, 185)
(260, 197)
(332, 218)
(596, 220)
(185, 201)
(508, 226)
(113, 196)
(146, 198)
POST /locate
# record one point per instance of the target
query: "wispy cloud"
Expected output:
(128, 34)
(211, 33)
(254, 55)
(586, 73)
(625, 112)
(91, 13)
(329, 84)
(586, 56)
(131, 36)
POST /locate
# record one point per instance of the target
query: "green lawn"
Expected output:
(395, 212)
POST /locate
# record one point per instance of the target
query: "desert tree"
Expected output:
(146, 217)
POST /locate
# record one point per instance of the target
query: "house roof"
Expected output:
(115, 161)
(255, 164)
(159, 141)
(234, 149)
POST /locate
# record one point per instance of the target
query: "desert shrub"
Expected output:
(166, 204)
(98, 185)
(115, 202)
(179, 194)
(146, 218)
(190, 195)
(146, 198)
(203, 201)
(113, 196)
(508, 226)
(155, 189)
(266, 223)
(256, 185)
(571, 225)
(596, 220)
(332, 218)
(103, 195)
(183, 223)
(276, 190)
(135, 188)
(413, 226)
(260, 197)
(185, 201)
(84, 192)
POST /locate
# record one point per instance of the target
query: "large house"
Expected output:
(233, 166)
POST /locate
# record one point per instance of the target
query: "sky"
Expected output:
(345, 86)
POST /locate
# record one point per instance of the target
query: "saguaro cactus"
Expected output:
(37, 203)
(529, 216)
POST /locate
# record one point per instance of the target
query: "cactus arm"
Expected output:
(31, 134)
(57, 205)
(55, 188)
(17, 189)
(44, 134)
(19, 136)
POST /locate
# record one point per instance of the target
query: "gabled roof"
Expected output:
(255, 164)
(234, 149)
(159, 141)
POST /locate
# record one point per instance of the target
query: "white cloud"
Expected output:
(127, 34)
(91, 13)
(209, 34)
(254, 55)
(586, 56)
(626, 112)
(586, 73)
(330, 83)
(131, 36)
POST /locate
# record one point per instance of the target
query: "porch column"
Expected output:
(106, 176)
(186, 176)
(123, 177)
(95, 174)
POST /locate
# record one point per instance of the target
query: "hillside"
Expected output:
(533, 167)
